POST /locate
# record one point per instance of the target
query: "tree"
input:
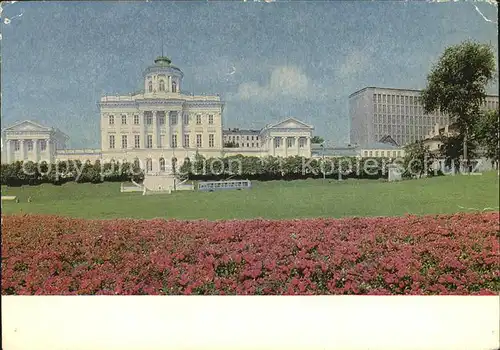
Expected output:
(317, 139)
(418, 160)
(453, 147)
(486, 133)
(456, 85)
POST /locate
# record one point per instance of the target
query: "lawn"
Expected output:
(272, 200)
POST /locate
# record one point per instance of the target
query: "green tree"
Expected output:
(317, 139)
(453, 147)
(418, 160)
(457, 85)
(487, 133)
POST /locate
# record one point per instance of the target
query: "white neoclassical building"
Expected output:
(156, 125)
(30, 141)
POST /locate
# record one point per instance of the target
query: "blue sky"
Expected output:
(298, 59)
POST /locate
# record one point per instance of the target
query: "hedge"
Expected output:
(30, 173)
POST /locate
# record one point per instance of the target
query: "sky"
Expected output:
(267, 60)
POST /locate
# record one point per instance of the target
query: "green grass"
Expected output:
(274, 199)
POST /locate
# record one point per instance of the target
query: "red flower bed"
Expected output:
(456, 254)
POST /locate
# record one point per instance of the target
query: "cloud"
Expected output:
(354, 63)
(285, 81)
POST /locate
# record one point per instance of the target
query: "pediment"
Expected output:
(27, 125)
(291, 123)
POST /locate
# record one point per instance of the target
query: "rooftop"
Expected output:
(240, 131)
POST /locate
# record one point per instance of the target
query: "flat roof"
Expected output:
(240, 131)
(394, 89)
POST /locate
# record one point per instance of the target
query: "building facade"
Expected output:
(30, 141)
(241, 138)
(156, 125)
(377, 112)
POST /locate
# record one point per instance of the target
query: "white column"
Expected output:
(168, 129)
(36, 150)
(143, 131)
(285, 141)
(9, 151)
(155, 129)
(49, 151)
(297, 138)
(169, 89)
(273, 150)
(23, 150)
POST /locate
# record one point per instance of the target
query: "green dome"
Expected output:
(163, 61)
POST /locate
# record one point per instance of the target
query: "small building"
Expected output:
(29, 141)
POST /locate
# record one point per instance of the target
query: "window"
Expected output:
(174, 141)
(248, 138)
(162, 85)
(211, 142)
(186, 140)
(376, 153)
(29, 144)
(256, 138)
(161, 120)
(277, 142)
(173, 118)
(198, 119)
(370, 153)
(136, 120)
(149, 164)
(174, 86)
(150, 86)
(149, 143)
(289, 142)
(248, 144)
(253, 144)
(366, 153)
(394, 153)
(210, 119)
(162, 164)
(111, 141)
(43, 145)
(374, 97)
(302, 142)
(137, 141)
(198, 140)
(111, 120)
(382, 153)
(185, 119)
(124, 141)
(124, 119)
(149, 119)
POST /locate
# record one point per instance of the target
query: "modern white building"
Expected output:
(156, 125)
(376, 112)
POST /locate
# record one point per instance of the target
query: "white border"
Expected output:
(246, 322)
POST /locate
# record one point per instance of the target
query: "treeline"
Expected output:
(201, 168)
(276, 168)
(30, 173)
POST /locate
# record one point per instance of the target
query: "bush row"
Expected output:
(432, 255)
(275, 168)
(30, 173)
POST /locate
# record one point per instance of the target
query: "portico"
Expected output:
(290, 137)
(29, 141)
